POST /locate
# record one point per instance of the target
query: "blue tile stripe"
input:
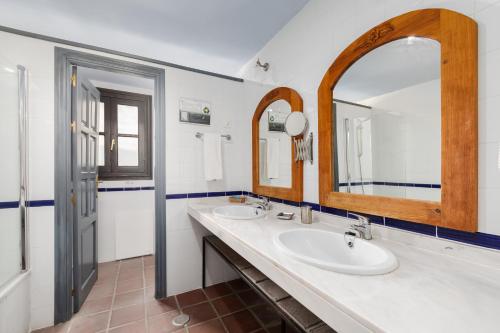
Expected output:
(40, 203)
(9, 204)
(421, 185)
(478, 238)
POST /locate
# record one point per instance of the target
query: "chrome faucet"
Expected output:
(364, 228)
(262, 202)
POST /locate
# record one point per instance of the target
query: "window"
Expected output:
(124, 136)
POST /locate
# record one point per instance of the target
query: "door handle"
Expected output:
(112, 145)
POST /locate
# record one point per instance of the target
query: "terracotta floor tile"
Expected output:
(101, 291)
(97, 305)
(127, 299)
(134, 308)
(241, 322)
(163, 323)
(127, 314)
(136, 327)
(150, 281)
(108, 281)
(191, 297)
(150, 293)
(251, 298)
(60, 328)
(238, 285)
(217, 290)
(199, 313)
(156, 307)
(227, 304)
(90, 324)
(130, 274)
(129, 285)
(212, 326)
(108, 265)
(149, 261)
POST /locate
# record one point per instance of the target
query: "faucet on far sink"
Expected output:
(262, 202)
(364, 228)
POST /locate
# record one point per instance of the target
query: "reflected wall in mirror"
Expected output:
(275, 171)
(275, 146)
(13, 218)
(410, 122)
(387, 119)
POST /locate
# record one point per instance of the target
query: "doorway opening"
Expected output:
(115, 108)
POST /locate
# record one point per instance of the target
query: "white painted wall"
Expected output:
(302, 51)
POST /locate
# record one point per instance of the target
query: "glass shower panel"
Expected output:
(12, 213)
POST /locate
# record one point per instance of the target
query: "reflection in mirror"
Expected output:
(275, 146)
(387, 122)
(12, 215)
(296, 123)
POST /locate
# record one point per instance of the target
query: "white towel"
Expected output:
(212, 154)
(273, 158)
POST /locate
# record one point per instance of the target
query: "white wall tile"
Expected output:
(489, 74)
(489, 28)
(489, 118)
(489, 165)
(489, 210)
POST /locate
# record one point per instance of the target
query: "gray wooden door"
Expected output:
(85, 108)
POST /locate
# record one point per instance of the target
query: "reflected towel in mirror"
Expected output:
(273, 158)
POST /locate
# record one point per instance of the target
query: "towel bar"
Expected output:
(226, 136)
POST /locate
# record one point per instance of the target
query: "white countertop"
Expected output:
(440, 286)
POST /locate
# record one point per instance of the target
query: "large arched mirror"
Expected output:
(398, 122)
(277, 119)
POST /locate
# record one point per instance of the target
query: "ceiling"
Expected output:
(400, 64)
(229, 29)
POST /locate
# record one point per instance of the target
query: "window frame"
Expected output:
(111, 170)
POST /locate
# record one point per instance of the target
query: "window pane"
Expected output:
(128, 151)
(128, 119)
(101, 117)
(100, 156)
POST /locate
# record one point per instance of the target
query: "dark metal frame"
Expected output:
(64, 59)
(111, 170)
(286, 321)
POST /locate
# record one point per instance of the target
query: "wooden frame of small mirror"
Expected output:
(293, 193)
(457, 35)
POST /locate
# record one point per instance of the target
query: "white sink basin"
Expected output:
(328, 250)
(239, 212)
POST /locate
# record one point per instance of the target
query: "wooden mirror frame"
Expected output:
(457, 35)
(293, 193)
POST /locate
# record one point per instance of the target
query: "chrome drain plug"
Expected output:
(180, 320)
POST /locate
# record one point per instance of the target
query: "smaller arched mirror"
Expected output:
(277, 119)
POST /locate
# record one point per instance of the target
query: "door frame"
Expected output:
(63, 245)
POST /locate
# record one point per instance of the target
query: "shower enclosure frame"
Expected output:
(64, 59)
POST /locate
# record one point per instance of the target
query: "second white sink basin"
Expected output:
(329, 250)
(239, 212)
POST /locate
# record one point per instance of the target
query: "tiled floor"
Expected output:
(122, 301)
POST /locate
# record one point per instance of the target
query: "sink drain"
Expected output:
(180, 320)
